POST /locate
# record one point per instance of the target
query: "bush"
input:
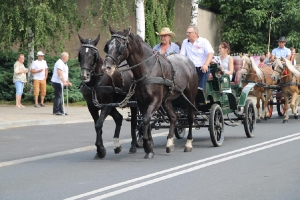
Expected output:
(7, 92)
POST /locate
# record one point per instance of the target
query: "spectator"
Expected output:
(267, 57)
(60, 78)
(281, 51)
(200, 51)
(166, 46)
(39, 69)
(261, 61)
(293, 56)
(226, 59)
(19, 79)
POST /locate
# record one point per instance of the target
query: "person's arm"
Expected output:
(46, 73)
(183, 48)
(230, 65)
(17, 69)
(209, 57)
(34, 71)
(288, 54)
(61, 77)
(273, 56)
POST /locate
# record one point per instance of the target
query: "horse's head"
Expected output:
(246, 66)
(89, 58)
(278, 69)
(116, 49)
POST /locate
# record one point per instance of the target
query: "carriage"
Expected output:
(223, 103)
(164, 89)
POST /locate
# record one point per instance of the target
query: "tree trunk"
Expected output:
(30, 58)
(140, 18)
(194, 12)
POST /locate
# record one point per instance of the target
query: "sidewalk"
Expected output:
(11, 117)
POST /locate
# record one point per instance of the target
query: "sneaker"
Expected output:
(43, 105)
(36, 106)
(58, 113)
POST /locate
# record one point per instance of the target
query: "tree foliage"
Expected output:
(51, 22)
(247, 22)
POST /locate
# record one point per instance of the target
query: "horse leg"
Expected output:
(172, 118)
(133, 129)
(258, 97)
(286, 103)
(266, 102)
(294, 105)
(147, 138)
(101, 151)
(190, 116)
(118, 118)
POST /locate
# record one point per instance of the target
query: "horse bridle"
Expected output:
(122, 47)
(91, 70)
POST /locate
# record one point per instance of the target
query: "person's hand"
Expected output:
(70, 84)
(65, 83)
(204, 68)
(26, 70)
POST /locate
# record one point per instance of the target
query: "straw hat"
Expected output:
(165, 31)
(40, 53)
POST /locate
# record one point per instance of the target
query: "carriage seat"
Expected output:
(237, 65)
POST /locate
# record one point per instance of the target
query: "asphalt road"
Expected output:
(57, 162)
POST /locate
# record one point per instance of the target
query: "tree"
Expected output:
(246, 23)
(51, 22)
(140, 18)
(194, 12)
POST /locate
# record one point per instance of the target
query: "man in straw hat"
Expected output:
(166, 46)
(281, 50)
(39, 69)
(200, 51)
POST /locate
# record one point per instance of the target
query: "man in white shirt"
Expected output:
(281, 50)
(39, 69)
(200, 51)
(60, 78)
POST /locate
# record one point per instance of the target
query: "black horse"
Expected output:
(99, 88)
(158, 79)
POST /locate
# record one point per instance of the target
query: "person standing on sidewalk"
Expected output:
(60, 78)
(39, 70)
(19, 79)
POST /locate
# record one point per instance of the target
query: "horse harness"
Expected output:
(146, 80)
(97, 89)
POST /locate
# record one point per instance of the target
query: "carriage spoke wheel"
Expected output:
(249, 119)
(216, 125)
(180, 132)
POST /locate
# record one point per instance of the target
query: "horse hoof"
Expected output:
(265, 118)
(132, 150)
(258, 120)
(148, 146)
(118, 150)
(149, 155)
(170, 149)
(101, 154)
(296, 116)
(285, 121)
(188, 149)
(97, 157)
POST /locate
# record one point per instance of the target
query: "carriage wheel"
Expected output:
(216, 125)
(180, 132)
(139, 136)
(249, 119)
(281, 108)
(270, 109)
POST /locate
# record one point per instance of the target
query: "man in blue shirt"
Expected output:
(166, 47)
(281, 50)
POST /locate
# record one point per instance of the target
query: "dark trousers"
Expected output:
(58, 98)
(202, 77)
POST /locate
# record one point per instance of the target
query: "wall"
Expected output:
(208, 25)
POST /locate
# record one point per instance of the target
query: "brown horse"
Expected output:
(158, 80)
(262, 77)
(98, 89)
(289, 78)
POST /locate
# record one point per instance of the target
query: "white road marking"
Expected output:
(61, 153)
(254, 148)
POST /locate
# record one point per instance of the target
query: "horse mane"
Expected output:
(291, 67)
(278, 62)
(259, 73)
